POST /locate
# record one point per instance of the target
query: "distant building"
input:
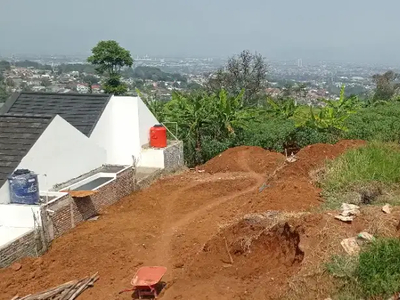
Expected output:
(82, 88)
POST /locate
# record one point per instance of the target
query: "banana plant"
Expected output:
(285, 109)
(335, 113)
(228, 110)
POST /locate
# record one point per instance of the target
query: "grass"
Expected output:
(378, 271)
(375, 274)
(364, 170)
(343, 268)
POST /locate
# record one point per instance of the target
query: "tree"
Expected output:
(90, 80)
(4, 66)
(10, 82)
(45, 82)
(247, 71)
(109, 58)
(386, 87)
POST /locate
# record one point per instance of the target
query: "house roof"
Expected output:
(18, 133)
(82, 111)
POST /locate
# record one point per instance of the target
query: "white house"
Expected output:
(61, 137)
(49, 146)
(83, 132)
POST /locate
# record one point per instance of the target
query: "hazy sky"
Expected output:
(348, 30)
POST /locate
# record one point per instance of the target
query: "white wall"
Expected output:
(62, 152)
(15, 215)
(123, 129)
(146, 121)
(152, 158)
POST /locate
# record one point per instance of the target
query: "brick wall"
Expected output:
(22, 247)
(68, 211)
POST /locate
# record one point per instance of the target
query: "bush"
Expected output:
(272, 134)
(305, 136)
(212, 147)
(376, 162)
(378, 271)
(375, 123)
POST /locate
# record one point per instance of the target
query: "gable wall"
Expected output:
(62, 152)
(123, 129)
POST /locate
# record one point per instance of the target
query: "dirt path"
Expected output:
(172, 226)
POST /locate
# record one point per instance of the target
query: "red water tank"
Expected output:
(158, 136)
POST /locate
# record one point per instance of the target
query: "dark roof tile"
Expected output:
(18, 133)
(83, 111)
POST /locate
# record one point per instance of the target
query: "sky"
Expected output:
(338, 30)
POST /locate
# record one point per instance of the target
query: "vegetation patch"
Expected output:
(375, 274)
(343, 268)
(362, 175)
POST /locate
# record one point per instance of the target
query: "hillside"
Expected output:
(249, 226)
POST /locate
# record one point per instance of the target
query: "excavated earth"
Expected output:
(242, 229)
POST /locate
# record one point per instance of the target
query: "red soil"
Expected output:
(256, 158)
(176, 223)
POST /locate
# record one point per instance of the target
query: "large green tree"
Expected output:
(109, 58)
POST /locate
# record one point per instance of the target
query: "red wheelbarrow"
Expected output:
(146, 281)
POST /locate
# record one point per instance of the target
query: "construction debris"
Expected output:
(348, 212)
(67, 291)
(387, 209)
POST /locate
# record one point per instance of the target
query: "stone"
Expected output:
(16, 266)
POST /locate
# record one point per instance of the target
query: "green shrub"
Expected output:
(212, 147)
(273, 134)
(305, 136)
(375, 123)
(378, 272)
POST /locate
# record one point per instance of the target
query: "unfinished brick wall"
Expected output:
(69, 212)
(22, 247)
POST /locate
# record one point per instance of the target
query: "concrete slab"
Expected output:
(144, 172)
(10, 234)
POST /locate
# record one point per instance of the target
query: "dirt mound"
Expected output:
(292, 188)
(247, 260)
(244, 159)
(313, 155)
